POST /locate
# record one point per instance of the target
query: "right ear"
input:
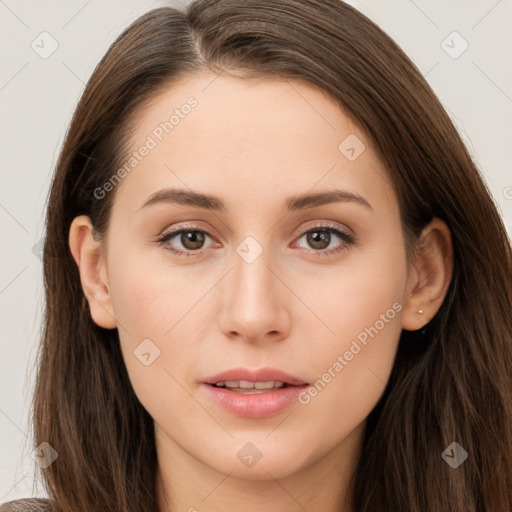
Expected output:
(89, 257)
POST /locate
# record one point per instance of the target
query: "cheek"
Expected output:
(149, 295)
(156, 355)
(355, 345)
(164, 314)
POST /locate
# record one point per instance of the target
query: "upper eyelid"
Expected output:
(184, 227)
(326, 225)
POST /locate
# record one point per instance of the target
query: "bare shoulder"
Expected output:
(27, 505)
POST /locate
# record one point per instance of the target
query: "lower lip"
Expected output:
(256, 405)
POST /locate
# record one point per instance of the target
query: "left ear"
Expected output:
(429, 275)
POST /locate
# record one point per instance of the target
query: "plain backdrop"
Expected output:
(469, 70)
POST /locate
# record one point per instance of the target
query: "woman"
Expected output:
(273, 275)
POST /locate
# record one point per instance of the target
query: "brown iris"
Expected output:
(192, 239)
(319, 239)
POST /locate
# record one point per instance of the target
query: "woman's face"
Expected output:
(276, 272)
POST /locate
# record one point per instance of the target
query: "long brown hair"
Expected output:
(453, 384)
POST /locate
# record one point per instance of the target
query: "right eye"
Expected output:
(191, 240)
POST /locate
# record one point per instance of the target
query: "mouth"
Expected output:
(243, 380)
(251, 388)
(254, 394)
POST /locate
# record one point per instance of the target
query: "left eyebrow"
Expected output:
(332, 196)
(210, 202)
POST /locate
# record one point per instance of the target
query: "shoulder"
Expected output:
(27, 505)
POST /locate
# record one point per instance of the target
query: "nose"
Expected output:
(256, 305)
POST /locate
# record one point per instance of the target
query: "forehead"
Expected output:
(262, 107)
(273, 135)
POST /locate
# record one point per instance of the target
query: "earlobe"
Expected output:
(89, 257)
(429, 276)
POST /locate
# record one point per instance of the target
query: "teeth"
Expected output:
(244, 384)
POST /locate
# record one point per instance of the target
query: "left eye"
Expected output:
(320, 238)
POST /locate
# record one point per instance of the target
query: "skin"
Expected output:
(254, 144)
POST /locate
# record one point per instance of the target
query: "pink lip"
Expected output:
(258, 405)
(262, 375)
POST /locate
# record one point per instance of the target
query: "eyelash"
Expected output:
(343, 235)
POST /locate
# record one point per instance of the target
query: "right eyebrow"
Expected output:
(186, 197)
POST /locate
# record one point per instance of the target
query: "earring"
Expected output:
(423, 330)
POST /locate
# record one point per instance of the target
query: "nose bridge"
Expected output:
(254, 305)
(253, 279)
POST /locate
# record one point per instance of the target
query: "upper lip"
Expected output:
(261, 375)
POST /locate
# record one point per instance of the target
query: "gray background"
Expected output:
(38, 96)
